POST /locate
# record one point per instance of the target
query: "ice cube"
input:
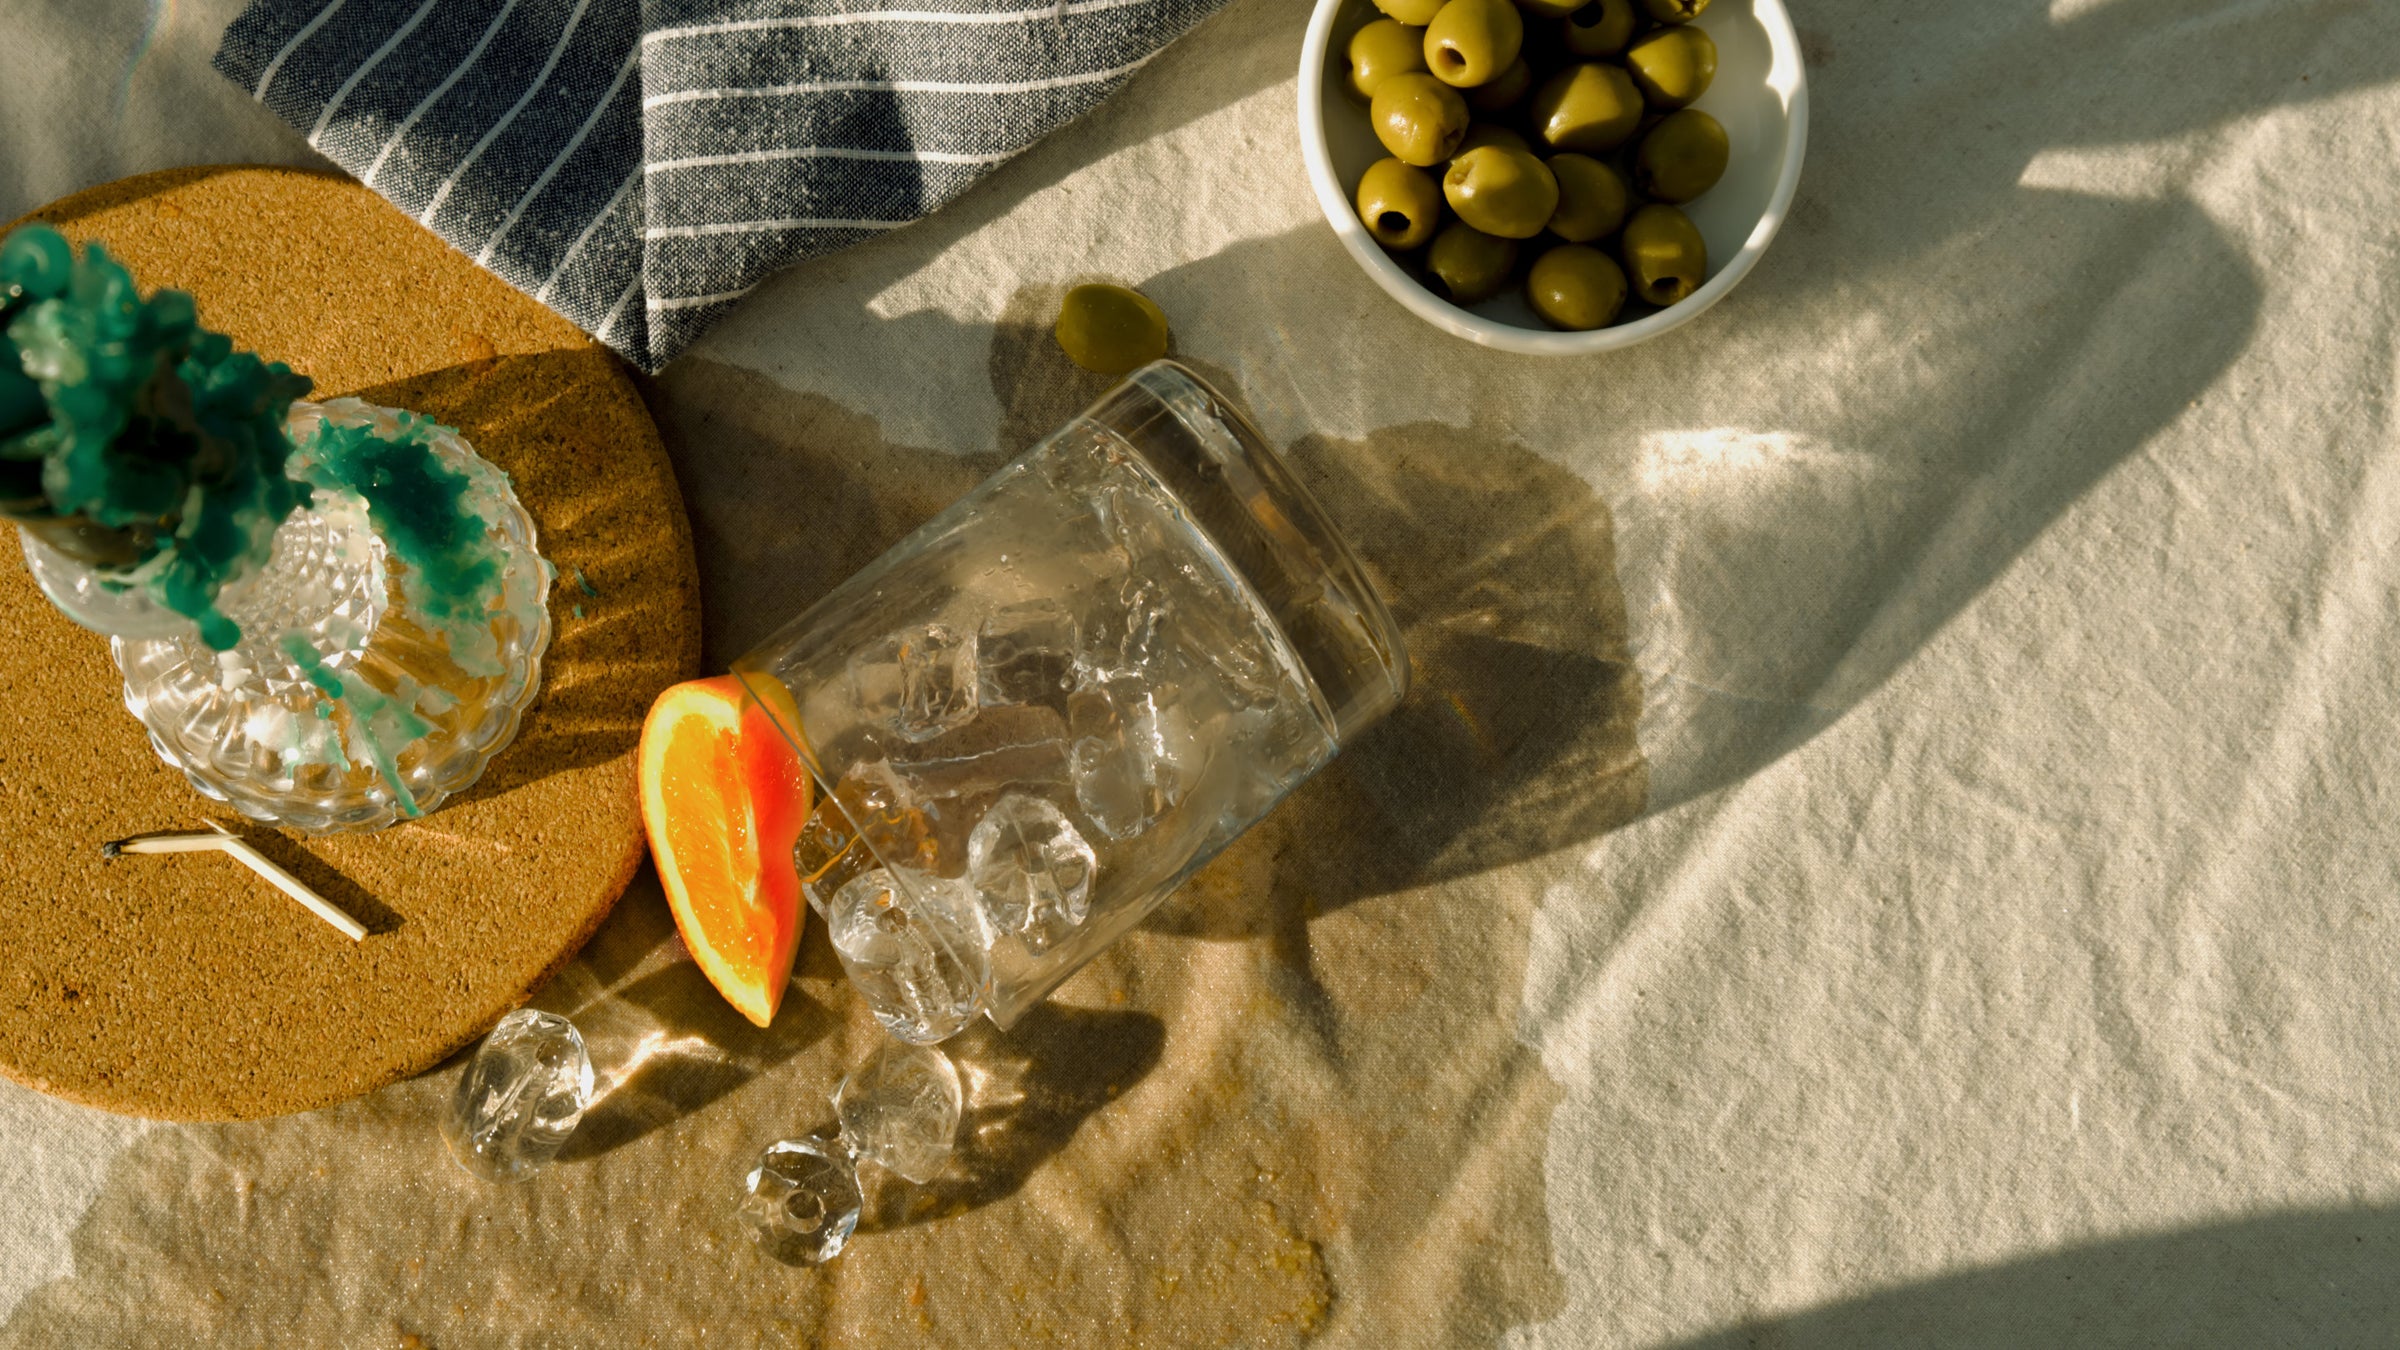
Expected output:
(1015, 746)
(900, 1109)
(1212, 631)
(1026, 654)
(869, 820)
(919, 682)
(520, 1097)
(916, 948)
(1134, 757)
(1123, 635)
(802, 1200)
(1111, 796)
(1032, 869)
(954, 778)
(1142, 522)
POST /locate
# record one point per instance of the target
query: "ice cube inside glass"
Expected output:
(1036, 715)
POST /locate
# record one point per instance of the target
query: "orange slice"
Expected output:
(724, 796)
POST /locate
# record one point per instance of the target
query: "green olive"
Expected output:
(1492, 133)
(1468, 266)
(1675, 11)
(1673, 66)
(1682, 157)
(1575, 287)
(1503, 91)
(1601, 28)
(1470, 42)
(1110, 329)
(1400, 205)
(1586, 108)
(1414, 13)
(1418, 118)
(1501, 191)
(1664, 254)
(1591, 199)
(1381, 50)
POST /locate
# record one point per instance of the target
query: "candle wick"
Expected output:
(221, 840)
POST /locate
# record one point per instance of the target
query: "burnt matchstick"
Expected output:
(222, 840)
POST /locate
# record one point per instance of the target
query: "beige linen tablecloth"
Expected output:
(1890, 845)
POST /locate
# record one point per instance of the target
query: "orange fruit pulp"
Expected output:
(724, 796)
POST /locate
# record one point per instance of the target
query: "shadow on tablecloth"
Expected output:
(2317, 1277)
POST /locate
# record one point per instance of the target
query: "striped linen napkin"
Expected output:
(640, 165)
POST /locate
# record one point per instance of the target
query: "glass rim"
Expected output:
(1185, 395)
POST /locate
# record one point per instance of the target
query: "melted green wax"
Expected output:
(380, 726)
(152, 450)
(451, 572)
(133, 437)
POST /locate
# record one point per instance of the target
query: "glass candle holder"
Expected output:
(1035, 716)
(345, 706)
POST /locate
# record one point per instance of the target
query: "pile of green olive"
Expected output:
(1557, 134)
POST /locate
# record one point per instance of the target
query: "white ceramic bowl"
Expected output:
(1760, 94)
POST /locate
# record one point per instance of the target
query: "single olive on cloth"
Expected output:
(1419, 119)
(1467, 266)
(1601, 28)
(1664, 254)
(1113, 330)
(1588, 108)
(1401, 204)
(1592, 200)
(1381, 50)
(1673, 66)
(1501, 192)
(1471, 42)
(1575, 287)
(1682, 157)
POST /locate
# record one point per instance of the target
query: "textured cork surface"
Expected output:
(182, 986)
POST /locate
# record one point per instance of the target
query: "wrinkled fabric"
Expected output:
(1890, 844)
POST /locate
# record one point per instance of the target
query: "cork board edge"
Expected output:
(124, 191)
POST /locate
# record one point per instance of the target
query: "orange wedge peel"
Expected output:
(724, 796)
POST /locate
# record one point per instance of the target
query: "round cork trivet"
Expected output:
(183, 986)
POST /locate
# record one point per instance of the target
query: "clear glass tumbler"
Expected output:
(1035, 716)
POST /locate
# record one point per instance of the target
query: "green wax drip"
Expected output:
(450, 576)
(418, 506)
(380, 727)
(124, 413)
(584, 583)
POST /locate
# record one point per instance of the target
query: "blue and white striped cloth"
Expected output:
(639, 165)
